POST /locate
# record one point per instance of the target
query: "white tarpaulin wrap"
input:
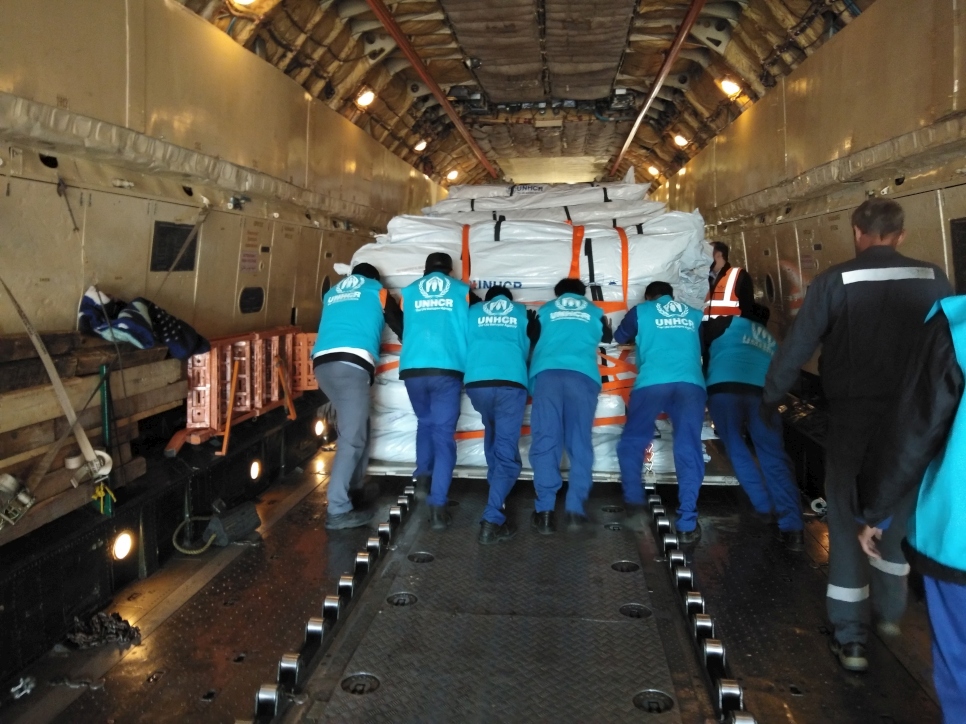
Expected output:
(544, 200)
(530, 255)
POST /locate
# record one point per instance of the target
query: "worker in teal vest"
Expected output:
(432, 363)
(344, 360)
(565, 382)
(918, 458)
(669, 379)
(740, 352)
(496, 383)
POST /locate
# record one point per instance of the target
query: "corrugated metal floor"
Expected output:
(526, 630)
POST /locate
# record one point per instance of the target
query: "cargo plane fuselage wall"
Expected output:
(147, 114)
(877, 112)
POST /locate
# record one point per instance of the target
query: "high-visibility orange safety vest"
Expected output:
(722, 301)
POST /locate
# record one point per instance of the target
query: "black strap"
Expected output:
(615, 222)
(512, 186)
(472, 204)
(640, 228)
(494, 216)
(567, 212)
(604, 189)
(595, 291)
(496, 228)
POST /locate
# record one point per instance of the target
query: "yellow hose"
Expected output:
(189, 551)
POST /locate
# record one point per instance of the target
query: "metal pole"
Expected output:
(672, 55)
(402, 40)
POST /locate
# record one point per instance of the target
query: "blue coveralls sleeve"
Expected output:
(807, 332)
(627, 330)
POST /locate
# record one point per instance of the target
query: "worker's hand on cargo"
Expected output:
(531, 315)
(868, 538)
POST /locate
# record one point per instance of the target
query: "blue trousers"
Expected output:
(772, 488)
(684, 404)
(502, 411)
(946, 603)
(436, 402)
(562, 416)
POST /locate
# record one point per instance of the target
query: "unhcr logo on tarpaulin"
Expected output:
(434, 290)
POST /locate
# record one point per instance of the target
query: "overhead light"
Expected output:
(123, 545)
(654, 170)
(680, 140)
(319, 428)
(255, 470)
(243, 2)
(452, 175)
(366, 97)
(682, 171)
(730, 88)
(421, 146)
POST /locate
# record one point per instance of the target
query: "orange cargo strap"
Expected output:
(609, 307)
(578, 239)
(383, 297)
(466, 254)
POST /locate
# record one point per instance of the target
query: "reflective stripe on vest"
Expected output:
(723, 302)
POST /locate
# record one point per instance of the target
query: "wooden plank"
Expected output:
(18, 346)
(89, 360)
(53, 508)
(33, 440)
(31, 372)
(36, 404)
(19, 466)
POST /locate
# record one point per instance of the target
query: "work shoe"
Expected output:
(686, 537)
(543, 523)
(491, 533)
(439, 518)
(793, 540)
(576, 522)
(888, 629)
(851, 656)
(352, 519)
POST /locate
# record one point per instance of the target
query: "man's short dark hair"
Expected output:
(658, 289)
(366, 270)
(720, 246)
(570, 285)
(498, 291)
(879, 217)
(439, 261)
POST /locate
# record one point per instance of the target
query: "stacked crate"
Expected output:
(143, 383)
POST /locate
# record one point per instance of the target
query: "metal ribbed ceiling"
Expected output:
(535, 78)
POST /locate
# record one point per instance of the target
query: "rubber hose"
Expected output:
(189, 551)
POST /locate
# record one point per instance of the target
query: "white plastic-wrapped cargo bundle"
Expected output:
(529, 250)
(544, 200)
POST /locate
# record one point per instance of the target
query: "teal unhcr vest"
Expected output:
(941, 504)
(434, 324)
(352, 317)
(496, 342)
(668, 345)
(570, 331)
(741, 354)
